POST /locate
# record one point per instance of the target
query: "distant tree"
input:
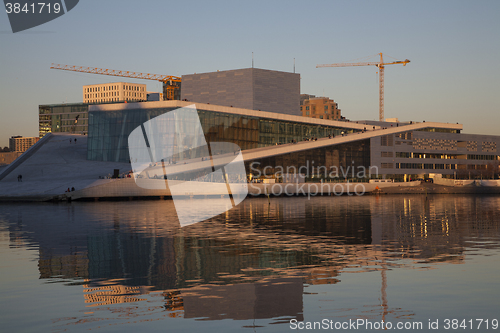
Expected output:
(6, 149)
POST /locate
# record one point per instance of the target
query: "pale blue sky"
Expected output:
(454, 48)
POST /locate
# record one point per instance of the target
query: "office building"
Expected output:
(248, 88)
(58, 118)
(21, 144)
(319, 107)
(114, 92)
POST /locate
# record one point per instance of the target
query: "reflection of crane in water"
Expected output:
(383, 291)
(384, 303)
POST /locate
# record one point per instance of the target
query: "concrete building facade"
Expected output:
(114, 92)
(319, 107)
(248, 88)
(441, 151)
(21, 144)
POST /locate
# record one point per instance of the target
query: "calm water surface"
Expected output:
(129, 267)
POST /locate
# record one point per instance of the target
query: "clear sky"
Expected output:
(454, 48)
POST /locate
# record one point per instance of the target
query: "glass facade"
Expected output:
(61, 118)
(109, 130)
(440, 130)
(344, 161)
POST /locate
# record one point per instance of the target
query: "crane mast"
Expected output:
(381, 73)
(381, 66)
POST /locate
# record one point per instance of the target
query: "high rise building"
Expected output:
(319, 107)
(114, 92)
(21, 144)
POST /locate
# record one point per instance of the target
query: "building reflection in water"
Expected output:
(248, 263)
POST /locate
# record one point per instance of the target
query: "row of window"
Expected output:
(325, 116)
(429, 166)
(387, 140)
(439, 130)
(441, 156)
(404, 135)
(133, 88)
(133, 94)
(72, 122)
(106, 94)
(114, 99)
(326, 107)
(105, 88)
(115, 93)
(102, 100)
(482, 157)
(114, 87)
(438, 166)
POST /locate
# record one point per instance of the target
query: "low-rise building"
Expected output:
(114, 92)
(21, 144)
(319, 107)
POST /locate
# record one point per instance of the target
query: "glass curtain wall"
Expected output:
(109, 131)
(336, 162)
(59, 118)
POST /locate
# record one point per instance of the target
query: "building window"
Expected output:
(307, 108)
(307, 113)
(386, 154)
(386, 140)
(326, 107)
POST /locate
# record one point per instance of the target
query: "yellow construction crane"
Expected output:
(380, 66)
(172, 83)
